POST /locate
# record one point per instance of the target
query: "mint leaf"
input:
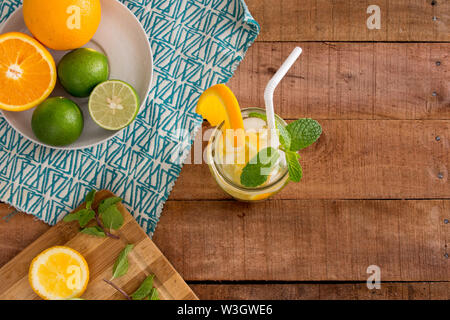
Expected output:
(153, 295)
(295, 169)
(83, 216)
(72, 217)
(283, 133)
(285, 136)
(94, 231)
(107, 212)
(304, 132)
(253, 174)
(144, 290)
(112, 218)
(90, 199)
(86, 215)
(108, 202)
(120, 267)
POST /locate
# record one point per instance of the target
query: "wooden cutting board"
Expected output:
(100, 254)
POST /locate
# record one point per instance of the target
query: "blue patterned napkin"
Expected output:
(137, 164)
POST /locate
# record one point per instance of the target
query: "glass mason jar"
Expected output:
(227, 174)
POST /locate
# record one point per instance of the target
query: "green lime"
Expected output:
(114, 104)
(57, 121)
(81, 70)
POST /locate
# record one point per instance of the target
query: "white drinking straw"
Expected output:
(270, 89)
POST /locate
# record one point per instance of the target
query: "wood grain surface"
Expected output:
(324, 291)
(343, 20)
(307, 240)
(100, 254)
(350, 80)
(355, 159)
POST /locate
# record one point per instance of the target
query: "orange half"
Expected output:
(218, 104)
(27, 72)
(59, 273)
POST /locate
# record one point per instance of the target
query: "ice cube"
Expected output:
(254, 124)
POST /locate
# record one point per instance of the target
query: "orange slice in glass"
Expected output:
(27, 72)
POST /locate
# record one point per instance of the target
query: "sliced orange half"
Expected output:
(27, 72)
(218, 104)
(59, 273)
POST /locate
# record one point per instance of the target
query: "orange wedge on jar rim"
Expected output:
(27, 72)
(218, 104)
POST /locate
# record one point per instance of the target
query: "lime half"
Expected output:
(113, 104)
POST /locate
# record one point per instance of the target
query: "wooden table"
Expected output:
(376, 188)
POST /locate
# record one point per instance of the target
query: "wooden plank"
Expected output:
(343, 20)
(350, 80)
(319, 291)
(354, 159)
(206, 240)
(14, 239)
(223, 240)
(308, 240)
(100, 254)
(17, 231)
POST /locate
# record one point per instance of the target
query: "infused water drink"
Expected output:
(228, 154)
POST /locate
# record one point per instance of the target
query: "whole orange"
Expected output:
(62, 24)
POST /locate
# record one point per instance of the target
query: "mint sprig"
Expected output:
(144, 290)
(295, 169)
(111, 216)
(121, 264)
(108, 216)
(294, 137)
(303, 132)
(94, 231)
(90, 199)
(256, 172)
(83, 216)
(153, 295)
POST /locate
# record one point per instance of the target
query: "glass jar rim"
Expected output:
(212, 142)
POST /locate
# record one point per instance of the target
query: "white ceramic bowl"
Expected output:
(123, 40)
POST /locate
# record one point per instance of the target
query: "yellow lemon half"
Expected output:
(62, 24)
(59, 273)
